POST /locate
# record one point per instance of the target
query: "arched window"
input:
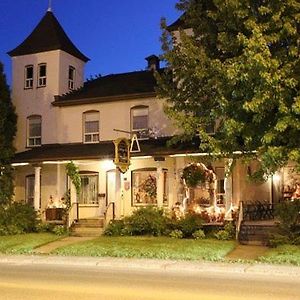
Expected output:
(139, 118)
(34, 131)
(91, 126)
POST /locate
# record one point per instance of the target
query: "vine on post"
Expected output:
(73, 172)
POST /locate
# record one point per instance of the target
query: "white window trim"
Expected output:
(42, 80)
(140, 130)
(91, 134)
(28, 82)
(34, 138)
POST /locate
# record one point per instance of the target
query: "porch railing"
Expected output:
(240, 219)
(73, 214)
(109, 213)
(258, 211)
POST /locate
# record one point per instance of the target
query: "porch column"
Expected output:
(117, 200)
(228, 191)
(37, 187)
(160, 187)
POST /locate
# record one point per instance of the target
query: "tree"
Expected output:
(8, 120)
(240, 69)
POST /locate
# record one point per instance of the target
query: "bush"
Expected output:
(60, 230)
(189, 224)
(176, 234)
(288, 214)
(44, 227)
(146, 220)
(17, 218)
(227, 234)
(222, 235)
(115, 228)
(199, 234)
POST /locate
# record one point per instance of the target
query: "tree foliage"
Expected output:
(8, 120)
(240, 69)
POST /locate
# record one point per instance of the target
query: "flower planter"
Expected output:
(54, 214)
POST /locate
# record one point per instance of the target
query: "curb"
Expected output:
(153, 265)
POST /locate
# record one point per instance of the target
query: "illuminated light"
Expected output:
(108, 164)
(141, 157)
(19, 164)
(55, 162)
(276, 178)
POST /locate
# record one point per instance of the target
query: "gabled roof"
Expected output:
(48, 35)
(112, 87)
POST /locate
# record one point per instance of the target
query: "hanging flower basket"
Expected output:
(194, 175)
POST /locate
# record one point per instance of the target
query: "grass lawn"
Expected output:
(24, 243)
(286, 254)
(151, 247)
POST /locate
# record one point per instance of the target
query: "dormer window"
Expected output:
(139, 121)
(71, 78)
(42, 75)
(34, 131)
(91, 127)
(29, 77)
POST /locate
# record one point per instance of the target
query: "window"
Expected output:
(139, 121)
(34, 131)
(29, 77)
(29, 189)
(71, 81)
(42, 72)
(91, 127)
(220, 173)
(89, 188)
(144, 187)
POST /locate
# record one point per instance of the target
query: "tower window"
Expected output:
(42, 73)
(34, 131)
(29, 77)
(71, 78)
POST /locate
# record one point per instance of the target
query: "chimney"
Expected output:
(153, 62)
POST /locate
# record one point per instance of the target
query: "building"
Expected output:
(61, 118)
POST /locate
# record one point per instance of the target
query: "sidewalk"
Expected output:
(154, 265)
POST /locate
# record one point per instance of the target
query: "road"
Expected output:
(57, 282)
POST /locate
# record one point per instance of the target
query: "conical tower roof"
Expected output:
(48, 35)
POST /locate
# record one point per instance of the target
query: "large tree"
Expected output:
(240, 68)
(8, 121)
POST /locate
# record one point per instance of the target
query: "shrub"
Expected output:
(115, 228)
(59, 230)
(189, 224)
(228, 233)
(199, 234)
(17, 218)
(288, 214)
(222, 235)
(176, 234)
(44, 227)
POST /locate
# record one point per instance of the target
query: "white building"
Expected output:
(61, 118)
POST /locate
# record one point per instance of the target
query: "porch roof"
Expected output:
(102, 150)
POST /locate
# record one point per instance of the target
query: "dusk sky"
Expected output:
(116, 35)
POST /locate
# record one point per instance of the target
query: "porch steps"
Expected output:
(93, 227)
(256, 233)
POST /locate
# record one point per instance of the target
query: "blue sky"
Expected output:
(115, 34)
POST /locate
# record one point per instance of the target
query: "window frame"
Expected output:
(219, 193)
(142, 133)
(28, 80)
(89, 174)
(71, 81)
(35, 138)
(92, 134)
(41, 80)
(27, 177)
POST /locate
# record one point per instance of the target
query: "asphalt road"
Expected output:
(31, 282)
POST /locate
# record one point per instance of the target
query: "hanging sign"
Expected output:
(122, 154)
